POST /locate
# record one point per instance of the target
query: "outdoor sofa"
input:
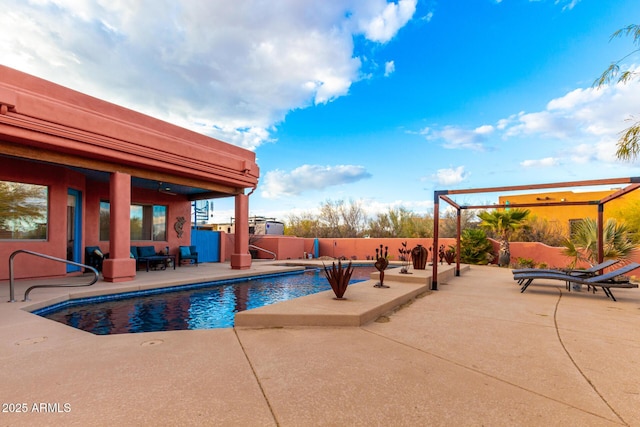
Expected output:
(147, 255)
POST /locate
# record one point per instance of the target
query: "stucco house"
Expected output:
(76, 171)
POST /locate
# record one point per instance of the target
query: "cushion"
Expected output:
(98, 253)
(145, 251)
(131, 255)
(185, 251)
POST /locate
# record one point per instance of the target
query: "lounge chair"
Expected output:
(587, 272)
(606, 281)
(591, 270)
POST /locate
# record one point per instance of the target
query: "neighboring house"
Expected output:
(258, 225)
(76, 171)
(567, 215)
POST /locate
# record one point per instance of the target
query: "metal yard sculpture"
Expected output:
(381, 264)
(338, 278)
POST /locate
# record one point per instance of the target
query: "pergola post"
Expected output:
(436, 226)
(458, 245)
(600, 232)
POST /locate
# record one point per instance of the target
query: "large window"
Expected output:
(23, 211)
(147, 222)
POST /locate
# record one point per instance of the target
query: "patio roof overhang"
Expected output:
(631, 184)
(42, 121)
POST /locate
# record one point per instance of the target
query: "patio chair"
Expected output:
(187, 253)
(611, 279)
(587, 272)
(93, 257)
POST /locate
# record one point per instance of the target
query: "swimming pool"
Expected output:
(198, 306)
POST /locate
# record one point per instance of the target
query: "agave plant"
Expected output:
(583, 243)
(338, 277)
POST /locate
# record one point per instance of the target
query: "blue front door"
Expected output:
(74, 229)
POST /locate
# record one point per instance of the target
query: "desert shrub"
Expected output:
(524, 263)
(540, 230)
(475, 248)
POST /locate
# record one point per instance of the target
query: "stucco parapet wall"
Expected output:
(45, 115)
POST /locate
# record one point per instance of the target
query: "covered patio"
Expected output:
(98, 167)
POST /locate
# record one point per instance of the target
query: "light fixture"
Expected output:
(165, 189)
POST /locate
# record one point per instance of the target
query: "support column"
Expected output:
(240, 258)
(119, 267)
(600, 233)
(436, 226)
(458, 244)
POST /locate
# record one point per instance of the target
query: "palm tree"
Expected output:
(475, 248)
(583, 243)
(503, 223)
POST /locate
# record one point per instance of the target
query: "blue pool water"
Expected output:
(200, 306)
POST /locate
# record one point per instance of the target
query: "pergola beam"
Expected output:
(444, 195)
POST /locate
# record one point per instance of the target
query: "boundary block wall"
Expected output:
(289, 247)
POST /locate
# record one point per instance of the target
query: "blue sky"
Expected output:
(375, 101)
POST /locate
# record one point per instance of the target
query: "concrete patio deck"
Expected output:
(475, 352)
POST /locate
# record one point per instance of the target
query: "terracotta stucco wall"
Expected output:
(58, 181)
(177, 206)
(288, 247)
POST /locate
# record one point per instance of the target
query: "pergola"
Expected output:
(633, 184)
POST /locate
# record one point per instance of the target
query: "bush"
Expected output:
(524, 263)
(475, 248)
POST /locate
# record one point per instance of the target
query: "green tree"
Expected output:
(536, 229)
(475, 248)
(303, 225)
(449, 223)
(503, 223)
(583, 243)
(336, 219)
(629, 141)
(630, 216)
(400, 222)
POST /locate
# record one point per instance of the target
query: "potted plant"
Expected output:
(338, 278)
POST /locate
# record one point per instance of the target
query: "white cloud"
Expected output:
(384, 25)
(582, 114)
(389, 68)
(586, 123)
(451, 176)
(279, 183)
(567, 4)
(546, 162)
(232, 71)
(458, 138)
